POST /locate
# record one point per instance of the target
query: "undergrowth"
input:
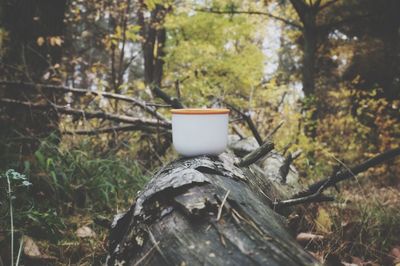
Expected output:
(70, 187)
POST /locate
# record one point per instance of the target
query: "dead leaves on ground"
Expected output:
(33, 254)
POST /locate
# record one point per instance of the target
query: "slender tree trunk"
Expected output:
(309, 73)
(307, 13)
(309, 52)
(154, 35)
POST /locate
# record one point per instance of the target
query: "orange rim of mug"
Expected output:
(199, 111)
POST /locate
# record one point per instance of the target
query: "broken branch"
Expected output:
(273, 131)
(109, 95)
(174, 102)
(97, 131)
(88, 115)
(249, 121)
(314, 191)
(284, 169)
(257, 154)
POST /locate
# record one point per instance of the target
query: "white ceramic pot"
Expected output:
(200, 131)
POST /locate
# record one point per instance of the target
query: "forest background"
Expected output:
(86, 88)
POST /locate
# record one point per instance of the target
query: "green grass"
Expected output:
(71, 185)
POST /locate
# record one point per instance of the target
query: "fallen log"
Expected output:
(206, 210)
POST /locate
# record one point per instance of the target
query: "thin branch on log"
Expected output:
(159, 105)
(235, 120)
(88, 115)
(270, 134)
(257, 154)
(297, 154)
(309, 199)
(97, 131)
(249, 121)
(253, 128)
(251, 12)
(314, 192)
(284, 169)
(222, 205)
(109, 95)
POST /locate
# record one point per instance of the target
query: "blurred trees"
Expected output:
(32, 37)
(336, 68)
(329, 69)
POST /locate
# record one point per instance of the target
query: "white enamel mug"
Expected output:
(200, 131)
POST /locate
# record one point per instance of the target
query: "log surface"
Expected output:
(175, 219)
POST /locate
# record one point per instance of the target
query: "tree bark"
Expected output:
(205, 210)
(308, 17)
(308, 73)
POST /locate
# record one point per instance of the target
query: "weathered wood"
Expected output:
(206, 210)
(257, 154)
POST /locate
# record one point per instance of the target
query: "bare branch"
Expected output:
(238, 131)
(314, 192)
(297, 154)
(109, 95)
(257, 154)
(174, 102)
(281, 101)
(274, 130)
(249, 121)
(159, 105)
(309, 199)
(98, 131)
(251, 12)
(88, 115)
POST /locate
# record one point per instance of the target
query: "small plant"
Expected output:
(14, 179)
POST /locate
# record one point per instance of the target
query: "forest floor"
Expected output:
(63, 216)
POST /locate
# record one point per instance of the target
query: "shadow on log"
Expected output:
(206, 211)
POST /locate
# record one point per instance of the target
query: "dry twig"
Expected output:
(115, 96)
(88, 115)
(246, 117)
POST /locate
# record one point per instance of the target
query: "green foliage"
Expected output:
(79, 173)
(212, 55)
(64, 181)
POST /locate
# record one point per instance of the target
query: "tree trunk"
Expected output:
(32, 27)
(308, 73)
(207, 211)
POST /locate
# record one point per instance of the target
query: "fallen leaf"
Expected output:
(40, 41)
(30, 248)
(84, 232)
(395, 255)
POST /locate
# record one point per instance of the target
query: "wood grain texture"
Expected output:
(174, 220)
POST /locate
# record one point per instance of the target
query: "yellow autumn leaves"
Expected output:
(51, 40)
